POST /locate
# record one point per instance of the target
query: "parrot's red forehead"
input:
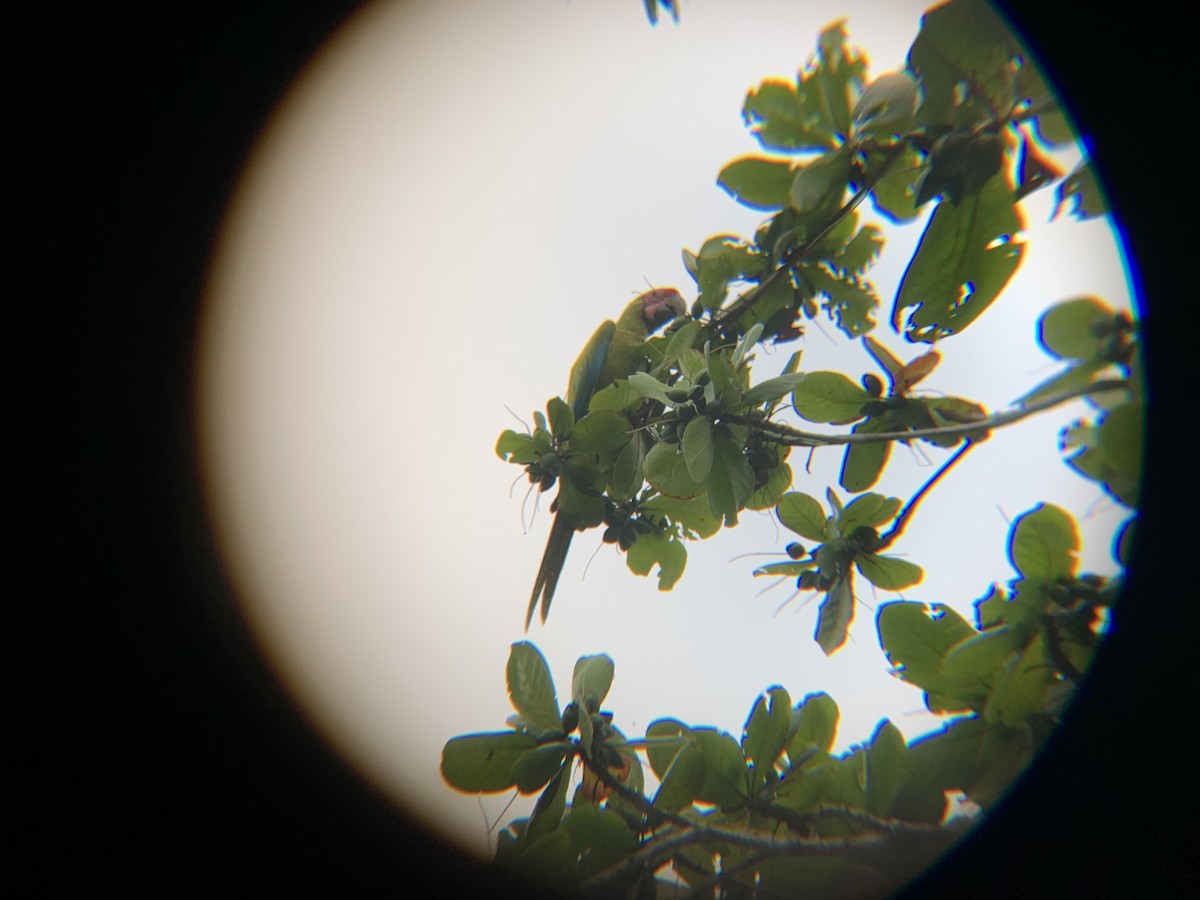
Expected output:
(661, 305)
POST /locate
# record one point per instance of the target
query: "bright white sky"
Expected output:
(447, 203)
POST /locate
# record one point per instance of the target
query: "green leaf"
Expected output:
(666, 469)
(814, 726)
(591, 680)
(599, 839)
(531, 688)
(822, 183)
(697, 447)
(1074, 377)
(887, 768)
(895, 194)
(888, 572)
(964, 259)
(862, 464)
(835, 616)
(534, 768)
(829, 397)
(938, 762)
(1082, 187)
(562, 419)
(885, 360)
(776, 117)
(482, 763)
(850, 301)
(598, 432)
(1020, 688)
(584, 508)
(779, 479)
(975, 660)
(757, 183)
(649, 386)
(694, 514)
(731, 480)
(684, 779)
(664, 550)
(963, 43)
(887, 105)
(916, 637)
(548, 811)
(991, 608)
(725, 768)
(1072, 329)
(665, 738)
(772, 389)
(517, 448)
(766, 732)
(871, 510)
(1002, 756)
(1121, 438)
(626, 477)
(804, 515)
(620, 396)
(1043, 543)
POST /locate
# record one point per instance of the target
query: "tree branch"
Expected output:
(794, 437)
(793, 256)
(882, 836)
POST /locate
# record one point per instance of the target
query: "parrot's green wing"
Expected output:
(585, 373)
(616, 350)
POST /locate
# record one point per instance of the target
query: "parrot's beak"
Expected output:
(660, 306)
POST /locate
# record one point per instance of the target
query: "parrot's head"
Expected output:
(660, 306)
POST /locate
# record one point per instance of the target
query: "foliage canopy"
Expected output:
(670, 455)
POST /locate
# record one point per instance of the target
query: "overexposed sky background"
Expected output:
(444, 207)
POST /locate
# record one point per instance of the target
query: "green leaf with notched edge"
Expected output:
(516, 447)
(766, 732)
(483, 763)
(862, 464)
(1072, 329)
(664, 550)
(916, 638)
(1043, 544)
(693, 515)
(1082, 187)
(758, 183)
(966, 256)
(530, 687)
(829, 397)
(963, 60)
(804, 515)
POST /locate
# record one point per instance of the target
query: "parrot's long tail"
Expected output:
(553, 560)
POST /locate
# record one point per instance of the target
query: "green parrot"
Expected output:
(615, 351)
